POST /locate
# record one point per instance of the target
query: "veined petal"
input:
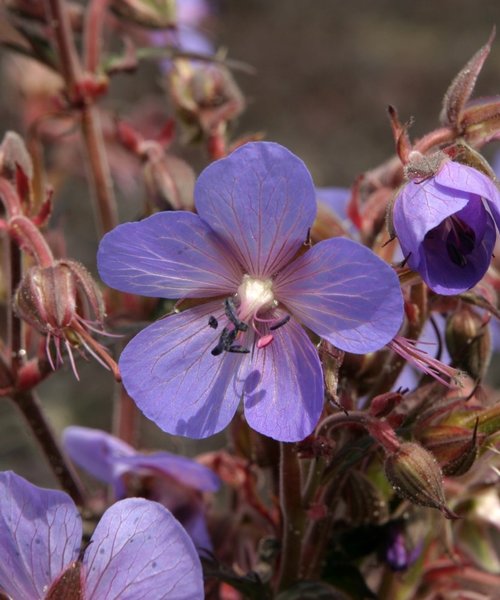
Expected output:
(184, 470)
(419, 207)
(139, 551)
(40, 535)
(171, 254)
(444, 276)
(468, 180)
(261, 201)
(344, 293)
(169, 371)
(284, 386)
(95, 451)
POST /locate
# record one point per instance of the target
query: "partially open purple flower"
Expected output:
(138, 550)
(174, 481)
(245, 250)
(446, 226)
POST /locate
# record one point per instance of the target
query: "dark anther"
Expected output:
(455, 255)
(213, 323)
(238, 349)
(279, 324)
(226, 343)
(230, 310)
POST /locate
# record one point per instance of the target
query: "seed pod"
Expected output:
(415, 475)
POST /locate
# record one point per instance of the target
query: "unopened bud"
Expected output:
(46, 298)
(469, 342)
(14, 155)
(455, 448)
(158, 15)
(169, 181)
(364, 501)
(415, 475)
(205, 94)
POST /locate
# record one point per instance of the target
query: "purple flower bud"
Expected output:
(445, 225)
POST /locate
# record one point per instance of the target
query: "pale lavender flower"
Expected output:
(445, 225)
(175, 481)
(245, 250)
(137, 551)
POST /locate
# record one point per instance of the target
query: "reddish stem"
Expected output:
(30, 407)
(24, 229)
(92, 34)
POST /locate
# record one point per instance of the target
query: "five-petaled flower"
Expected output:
(445, 225)
(244, 252)
(138, 550)
(175, 481)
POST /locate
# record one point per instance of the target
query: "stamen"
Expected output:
(236, 348)
(279, 324)
(212, 322)
(226, 343)
(264, 341)
(230, 310)
(455, 255)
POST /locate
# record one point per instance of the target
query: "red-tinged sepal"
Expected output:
(461, 88)
(69, 585)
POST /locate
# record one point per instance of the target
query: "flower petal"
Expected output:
(284, 386)
(168, 255)
(169, 371)
(419, 207)
(261, 202)
(40, 535)
(444, 276)
(470, 181)
(181, 468)
(344, 293)
(139, 551)
(95, 451)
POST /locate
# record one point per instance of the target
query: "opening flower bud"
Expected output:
(415, 475)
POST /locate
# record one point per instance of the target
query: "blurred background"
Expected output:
(324, 74)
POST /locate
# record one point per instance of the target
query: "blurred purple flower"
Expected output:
(397, 552)
(138, 550)
(188, 34)
(446, 226)
(189, 372)
(174, 481)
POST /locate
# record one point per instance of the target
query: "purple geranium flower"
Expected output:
(446, 226)
(175, 481)
(138, 550)
(245, 250)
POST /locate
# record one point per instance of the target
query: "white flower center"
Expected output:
(255, 295)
